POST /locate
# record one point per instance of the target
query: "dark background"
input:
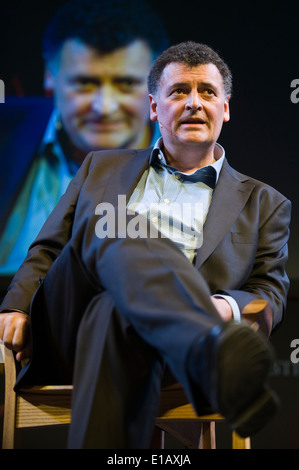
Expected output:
(260, 42)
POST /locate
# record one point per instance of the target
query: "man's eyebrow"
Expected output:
(201, 84)
(94, 79)
(80, 77)
(172, 86)
(131, 78)
(208, 84)
(177, 84)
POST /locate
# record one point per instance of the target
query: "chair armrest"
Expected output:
(259, 313)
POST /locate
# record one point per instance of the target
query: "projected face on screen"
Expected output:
(102, 99)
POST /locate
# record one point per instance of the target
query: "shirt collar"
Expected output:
(51, 143)
(50, 135)
(157, 159)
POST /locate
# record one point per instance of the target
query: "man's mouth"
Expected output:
(103, 123)
(193, 121)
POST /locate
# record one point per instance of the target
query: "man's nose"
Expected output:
(193, 101)
(104, 101)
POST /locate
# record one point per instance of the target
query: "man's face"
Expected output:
(190, 106)
(102, 99)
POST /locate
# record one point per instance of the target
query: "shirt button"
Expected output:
(155, 219)
(166, 201)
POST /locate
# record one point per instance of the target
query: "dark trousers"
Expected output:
(111, 316)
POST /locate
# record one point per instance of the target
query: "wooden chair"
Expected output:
(50, 405)
(32, 406)
(177, 417)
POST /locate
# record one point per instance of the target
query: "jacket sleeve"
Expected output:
(268, 279)
(42, 253)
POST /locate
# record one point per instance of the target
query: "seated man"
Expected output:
(97, 58)
(116, 290)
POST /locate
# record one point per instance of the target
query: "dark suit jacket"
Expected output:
(245, 235)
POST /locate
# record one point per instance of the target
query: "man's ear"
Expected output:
(153, 108)
(48, 82)
(226, 116)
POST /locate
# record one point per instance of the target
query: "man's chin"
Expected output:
(104, 144)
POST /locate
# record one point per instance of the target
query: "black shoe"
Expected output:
(231, 367)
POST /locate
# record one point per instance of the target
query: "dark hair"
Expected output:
(105, 25)
(191, 54)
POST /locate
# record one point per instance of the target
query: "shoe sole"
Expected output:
(256, 416)
(244, 360)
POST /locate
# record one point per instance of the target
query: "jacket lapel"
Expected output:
(230, 196)
(123, 181)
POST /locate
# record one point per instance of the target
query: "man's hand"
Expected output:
(15, 333)
(223, 307)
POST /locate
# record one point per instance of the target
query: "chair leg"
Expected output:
(158, 439)
(207, 436)
(10, 399)
(240, 442)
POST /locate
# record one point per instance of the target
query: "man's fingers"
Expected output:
(20, 336)
(15, 330)
(8, 333)
(24, 354)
